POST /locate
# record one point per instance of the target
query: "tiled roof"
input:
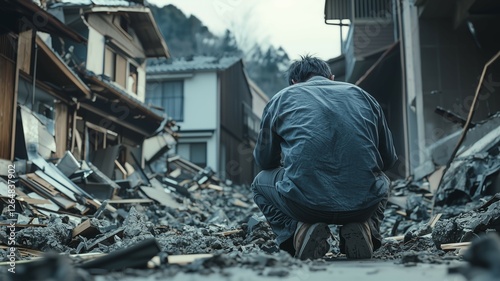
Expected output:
(196, 63)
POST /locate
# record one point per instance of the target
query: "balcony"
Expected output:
(371, 30)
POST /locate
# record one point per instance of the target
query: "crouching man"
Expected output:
(323, 147)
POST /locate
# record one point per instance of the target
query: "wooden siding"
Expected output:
(235, 92)
(61, 128)
(7, 78)
(239, 162)
(107, 26)
(24, 47)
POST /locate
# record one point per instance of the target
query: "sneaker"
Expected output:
(310, 240)
(357, 240)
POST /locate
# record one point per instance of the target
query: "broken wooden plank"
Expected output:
(402, 213)
(87, 256)
(129, 169)
(229, 232)
(215, 187)
(454, 246)
(32, 182)
(122, 170)
(434, 220)
(175, 173)
(33, 201)
(56, 176)
(47, 187)
(154, 262)
(55, 184)
(39, 201)
(396, 238)
(239, 203)
(131, 201)
(186, 259)
(86, 229)
(193, 187)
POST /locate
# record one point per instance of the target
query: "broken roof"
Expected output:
(27, 11)
(129, 112)
(57, 70)
(195, 63)
(141, 20)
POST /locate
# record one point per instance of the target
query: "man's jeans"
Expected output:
(283, 213)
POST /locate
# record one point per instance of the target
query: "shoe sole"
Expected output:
(356, 243)
(315, 243)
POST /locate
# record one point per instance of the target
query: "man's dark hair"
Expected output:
(307, 67)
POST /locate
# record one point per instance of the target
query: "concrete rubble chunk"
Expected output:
(466, 226)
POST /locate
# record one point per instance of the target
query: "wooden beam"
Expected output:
(185, 259)
(454, 246)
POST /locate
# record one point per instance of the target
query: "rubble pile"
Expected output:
(185, 219)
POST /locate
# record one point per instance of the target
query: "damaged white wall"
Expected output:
(200, 114)
(95, 51)
(200, 102)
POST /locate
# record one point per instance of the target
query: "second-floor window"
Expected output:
(120, 70)
(168, 95)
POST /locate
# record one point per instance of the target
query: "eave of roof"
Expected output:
(144, 24)
(194, 64)
(62, 69)
(127, 105)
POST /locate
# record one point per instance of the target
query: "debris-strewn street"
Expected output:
(128, 135)
(205, 227)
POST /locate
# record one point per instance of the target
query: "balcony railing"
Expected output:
(357, 9)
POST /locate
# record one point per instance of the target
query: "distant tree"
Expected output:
(267, 68)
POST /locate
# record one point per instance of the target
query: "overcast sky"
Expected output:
(296, 25)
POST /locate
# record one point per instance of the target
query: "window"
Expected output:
(132, 78)
(122, 22)
(194, 152)
(120, 70)
(168, 95)
(109, 63)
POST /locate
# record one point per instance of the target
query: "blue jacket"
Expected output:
(332, 140)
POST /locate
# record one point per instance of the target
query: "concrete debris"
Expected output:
(483, 259)
(474, 173)
(466, 226)
(185, 219)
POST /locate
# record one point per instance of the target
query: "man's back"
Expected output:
(334, 141)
